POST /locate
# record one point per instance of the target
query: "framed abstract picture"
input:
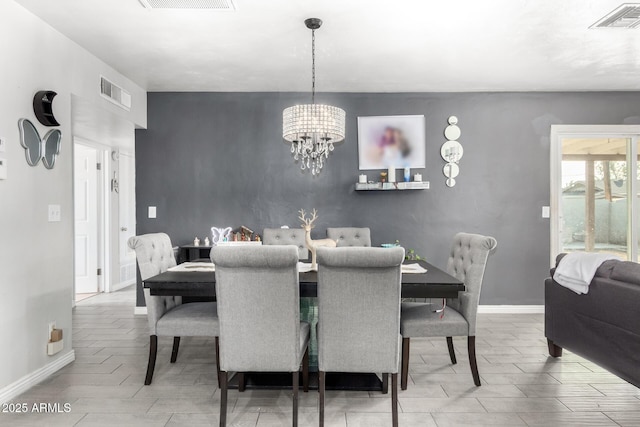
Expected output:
(396, 141)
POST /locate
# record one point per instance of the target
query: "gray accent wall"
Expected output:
(218, 159)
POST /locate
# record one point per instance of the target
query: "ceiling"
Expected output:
(363, 46)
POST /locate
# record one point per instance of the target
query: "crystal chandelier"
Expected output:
(312, 129)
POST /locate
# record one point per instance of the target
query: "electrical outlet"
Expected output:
(546, 212)
(52, 326)
(54, 213)
(3, 144)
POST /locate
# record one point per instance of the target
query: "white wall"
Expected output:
(36, 257)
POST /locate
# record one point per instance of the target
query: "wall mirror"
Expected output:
(36, 148)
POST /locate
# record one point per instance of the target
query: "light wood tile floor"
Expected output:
(522, 386)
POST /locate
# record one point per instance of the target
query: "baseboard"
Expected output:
(117, 286)
(23, 384)
(140, 311)
(511, 309)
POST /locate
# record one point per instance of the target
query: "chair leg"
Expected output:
(223, 398)
(405, 363)
(321, 390)
(153, 351)
(554, 350)
(385, 383)
(295, 377)
(218, 359)
(394, 399)
(241, 383)
(471, 345)
(174, 352)
(452, 351)
(305, 371)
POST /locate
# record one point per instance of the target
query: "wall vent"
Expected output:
(627, 15)
(189, 4)
(115, 94)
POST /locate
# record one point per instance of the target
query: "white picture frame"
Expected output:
(391, 141)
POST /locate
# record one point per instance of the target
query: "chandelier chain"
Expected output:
(313, 66)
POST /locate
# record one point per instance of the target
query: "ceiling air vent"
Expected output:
(627, 15)
(189, 4)
(115, 94)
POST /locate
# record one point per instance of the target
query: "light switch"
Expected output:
(152, 212)
(3, 144)
(54, 213)
(3, 168)
(546, 212)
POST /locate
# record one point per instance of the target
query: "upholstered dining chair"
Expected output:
(287, 236)
(167, 315)
(467, 262)
(359, 315)
(350, 236)
(259, 310)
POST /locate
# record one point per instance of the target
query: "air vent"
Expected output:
(115, 94)
(626, 15)
(189, 4)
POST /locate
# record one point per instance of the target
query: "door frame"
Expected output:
(558, 133)
(104, 206)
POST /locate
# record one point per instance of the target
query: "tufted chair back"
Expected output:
(287, 236)
(350, 236)
(155, 255)
(467, 262)
(258, 307)
(359, 309)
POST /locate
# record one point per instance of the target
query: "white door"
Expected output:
(127, 217)
(594, 190)
(86, 218)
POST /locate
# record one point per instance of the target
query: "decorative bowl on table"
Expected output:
(389, 245)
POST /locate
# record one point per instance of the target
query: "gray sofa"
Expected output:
(603, 325)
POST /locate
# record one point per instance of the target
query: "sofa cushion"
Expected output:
(626, 271)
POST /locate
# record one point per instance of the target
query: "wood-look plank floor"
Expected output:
(522, 386)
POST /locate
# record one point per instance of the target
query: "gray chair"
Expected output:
(350, 236)
(287, 236)
(359, 314)
(467, 262)
(167, 315)
(259, 309)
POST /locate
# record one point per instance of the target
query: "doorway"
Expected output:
(594, 190)
(88, 218)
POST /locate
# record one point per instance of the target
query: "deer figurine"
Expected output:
(307, 225)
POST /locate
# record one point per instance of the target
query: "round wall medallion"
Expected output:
(451, 151)
(451, 170)
(452, 132)
(453, 120)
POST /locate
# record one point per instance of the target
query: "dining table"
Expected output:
(432, 283)
(420, 279)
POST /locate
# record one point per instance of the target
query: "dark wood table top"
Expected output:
(435, 283)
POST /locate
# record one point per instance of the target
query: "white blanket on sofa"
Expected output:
(576, 270)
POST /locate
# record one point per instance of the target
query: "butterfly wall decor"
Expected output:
(36, 148)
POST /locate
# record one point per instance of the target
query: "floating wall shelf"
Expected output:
(391, 186)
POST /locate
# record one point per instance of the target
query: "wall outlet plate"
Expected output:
(152, 212)
(51, 327)
(546, 212)
(3, 144)
(3, 168)
(54, 213)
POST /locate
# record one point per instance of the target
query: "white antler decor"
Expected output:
(307, 225)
